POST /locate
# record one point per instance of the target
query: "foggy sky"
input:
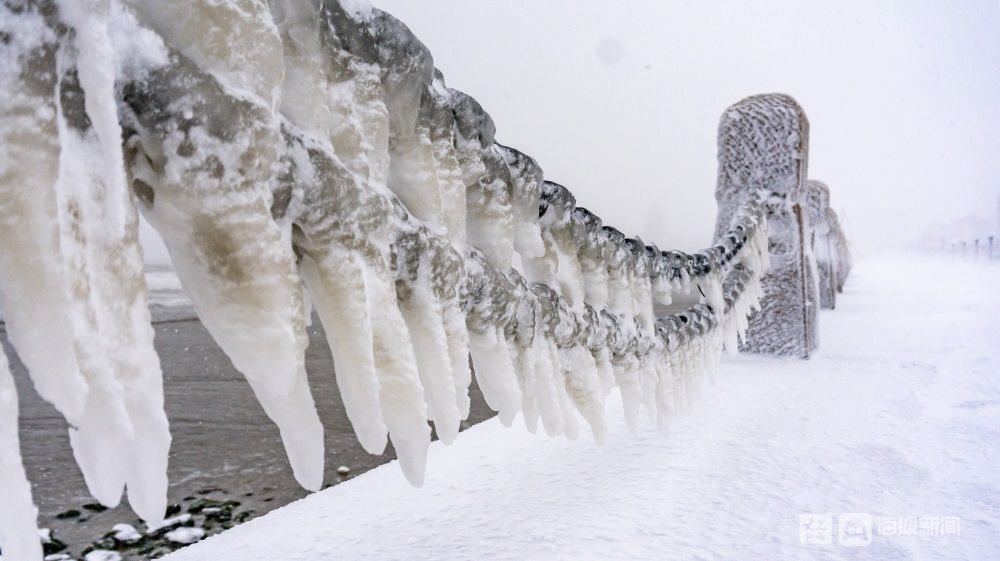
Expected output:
(620, 101)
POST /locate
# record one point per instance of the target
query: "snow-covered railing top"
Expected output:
(302, 155)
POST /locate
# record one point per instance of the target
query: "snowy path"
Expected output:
(897, 416)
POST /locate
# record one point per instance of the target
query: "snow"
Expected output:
(182, 518)
(894, 416)
(17, 512)
(102, 555)
(185, 535)
(126, 533)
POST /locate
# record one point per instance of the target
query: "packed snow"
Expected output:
(894, 417)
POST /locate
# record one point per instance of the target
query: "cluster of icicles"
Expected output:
(295, 156)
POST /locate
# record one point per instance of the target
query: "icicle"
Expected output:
(103, 266)
(524, 366)
(457, 335)
(429, 271)
(490, 307)
(627, 379)
(730, 333)
(337, 288)
(526, 179)
(664, 394)
(449, 171)
(663, 291)
(597, 342)
(413, 177)
(302, 435)
(648, 380)
(102, 433)
(595, 279)
(345, 272)
(399, 384)
(571, 428)
(203, 166)
(544, 268)
(605, 371)
(18, 529)
(558, 234)
(521, 336)
(584, 388)
(495, 372)
(489, 225)
(711, 285)
(489, 219)
(116, 281)
(547, 376)
(638, 274)
(34, 294)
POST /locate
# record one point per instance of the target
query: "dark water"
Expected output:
(224, 447)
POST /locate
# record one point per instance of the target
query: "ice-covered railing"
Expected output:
(984, 248)
(301, 155)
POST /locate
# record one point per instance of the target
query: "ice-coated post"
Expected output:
(763, 145)
(821, 242)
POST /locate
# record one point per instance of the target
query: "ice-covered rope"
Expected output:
(304, 156)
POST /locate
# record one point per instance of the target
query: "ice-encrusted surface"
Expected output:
(303, 155)
(841, 249)
(823, 241)
(18, 534)
(763, 144)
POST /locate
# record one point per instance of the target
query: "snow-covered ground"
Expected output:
(897, 417)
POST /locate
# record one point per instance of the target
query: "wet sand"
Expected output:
(224, 447)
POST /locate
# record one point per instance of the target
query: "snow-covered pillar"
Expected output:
(842, 254)
(818, 196)
(763, 145)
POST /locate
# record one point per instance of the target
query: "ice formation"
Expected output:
(18, 533)
(763, 144)
(299, 155)
(823, 241)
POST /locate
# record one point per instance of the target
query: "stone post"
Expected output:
(818, 202)
(842, 252)
(763, 145)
